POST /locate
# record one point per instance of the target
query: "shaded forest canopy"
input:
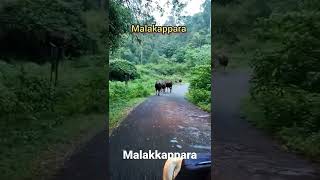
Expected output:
(29, 28)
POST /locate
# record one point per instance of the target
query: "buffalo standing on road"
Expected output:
(169, 85)
(223, 61)
(158, 87)
(163, 86)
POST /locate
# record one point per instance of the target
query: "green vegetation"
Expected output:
(233, 34)
(122, 70)
(52, 81)
(281, 42)
(123, 97)
(200, 87)
(36, 116)
(158, 57)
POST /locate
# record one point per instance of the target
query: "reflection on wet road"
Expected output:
(167, 123)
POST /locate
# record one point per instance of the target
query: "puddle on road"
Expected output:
(173, 141)
(199, 116)
(191, 126)
(201, 147)
(194, 134)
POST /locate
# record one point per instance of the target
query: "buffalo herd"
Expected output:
(163, 86)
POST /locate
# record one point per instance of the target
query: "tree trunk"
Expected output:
(141, 53)
(56, 72)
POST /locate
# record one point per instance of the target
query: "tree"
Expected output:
(122, 70)
(169, 49)
(206, 15)
(154, 57)
(180, 55)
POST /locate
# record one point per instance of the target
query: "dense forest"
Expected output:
(280, 42)
(52, 81)
(142, 59)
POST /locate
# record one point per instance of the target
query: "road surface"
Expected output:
(240, 151)
(167, 123)
(89, 163)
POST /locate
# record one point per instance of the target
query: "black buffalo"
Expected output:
(158, 87)
(169, 85)
(223, 61)
(163, 86)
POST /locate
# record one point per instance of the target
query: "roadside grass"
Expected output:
(252, 113)
(118, 111)
(41, 158)
(125, 97)
(294, 138)
(205, 106)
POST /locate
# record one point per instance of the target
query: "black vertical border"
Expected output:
(212, 92)
(107, 4)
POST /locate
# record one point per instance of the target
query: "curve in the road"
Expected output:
(241, 152)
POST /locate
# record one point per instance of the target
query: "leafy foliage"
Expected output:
(280, 40)
(31, 110)
(200, 86)
(28, 27)
(122, 70)
(157, 49)
(37, 27)
(120, 18)
(285, 81)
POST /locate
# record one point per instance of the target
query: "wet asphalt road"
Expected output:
(167, 123)
(241, 152)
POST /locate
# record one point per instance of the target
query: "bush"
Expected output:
(282, 107)
(29, 95)
(26, 91)
(139, 90)
(201, 77)
(299, 140)
(119, 92)
(122, 70)
(200, 97)
(200, 86)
